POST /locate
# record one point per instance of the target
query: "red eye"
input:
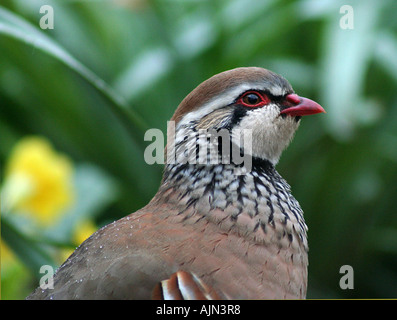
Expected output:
(253, 99)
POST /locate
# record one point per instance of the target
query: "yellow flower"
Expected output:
(83, 231)
(7, 256)
(38, 181)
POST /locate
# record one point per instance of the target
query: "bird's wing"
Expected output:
(183, 285)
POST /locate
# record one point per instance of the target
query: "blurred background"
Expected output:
(77, 93)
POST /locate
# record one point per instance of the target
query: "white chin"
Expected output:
(268, 134)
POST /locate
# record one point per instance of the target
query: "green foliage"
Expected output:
(111, 69)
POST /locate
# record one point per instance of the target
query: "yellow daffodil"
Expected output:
(13, 274)
(7, 256)
(38, 181)
(83, 230)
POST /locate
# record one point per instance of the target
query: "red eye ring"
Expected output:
(253, 99)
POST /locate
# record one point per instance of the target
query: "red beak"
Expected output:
(299, 106)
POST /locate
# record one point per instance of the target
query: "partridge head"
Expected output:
(218, 227)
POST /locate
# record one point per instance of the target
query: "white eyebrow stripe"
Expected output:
(277, 91)
(225, 99)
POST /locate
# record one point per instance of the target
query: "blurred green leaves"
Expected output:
(346, 58)
(112, 68)
(15, 27)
